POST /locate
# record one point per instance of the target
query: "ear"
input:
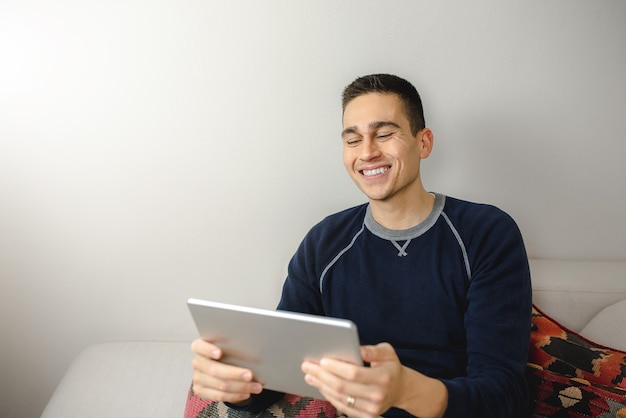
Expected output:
(426, 139)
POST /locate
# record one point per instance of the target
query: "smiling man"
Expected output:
(438, 287)
(382, 154)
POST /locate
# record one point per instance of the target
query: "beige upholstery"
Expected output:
(133, 379)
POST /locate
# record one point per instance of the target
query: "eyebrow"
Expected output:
(372, 127)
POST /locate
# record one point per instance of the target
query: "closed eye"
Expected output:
(384, 135)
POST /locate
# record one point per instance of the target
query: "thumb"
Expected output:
(378, 353)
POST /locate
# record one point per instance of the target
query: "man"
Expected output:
(438, 287)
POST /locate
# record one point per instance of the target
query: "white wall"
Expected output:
(153, 151)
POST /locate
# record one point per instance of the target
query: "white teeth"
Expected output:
(375, 171)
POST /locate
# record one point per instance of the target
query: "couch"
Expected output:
(152, 379)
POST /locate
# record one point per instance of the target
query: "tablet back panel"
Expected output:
(273, 344)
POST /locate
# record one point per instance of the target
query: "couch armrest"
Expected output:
(125, 379)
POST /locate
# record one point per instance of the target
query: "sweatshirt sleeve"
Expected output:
(259, 402)
(497, 323)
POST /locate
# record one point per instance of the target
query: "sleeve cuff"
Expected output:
(457, 399)
(259, 402)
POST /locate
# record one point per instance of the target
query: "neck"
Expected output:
(403, 214)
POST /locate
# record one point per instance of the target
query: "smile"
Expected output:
(380, 170)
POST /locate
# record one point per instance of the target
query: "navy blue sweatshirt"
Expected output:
(452, 295)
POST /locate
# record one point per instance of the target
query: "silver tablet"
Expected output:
(273, 344)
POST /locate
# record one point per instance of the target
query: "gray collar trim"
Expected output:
(405, 234)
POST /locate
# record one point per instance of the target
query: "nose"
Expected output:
(369, 150)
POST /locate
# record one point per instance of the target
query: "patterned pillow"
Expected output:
(554, 395)
(559, 350)
(287, 407)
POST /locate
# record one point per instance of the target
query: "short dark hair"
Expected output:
(389, 84)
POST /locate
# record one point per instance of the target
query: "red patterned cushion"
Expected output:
(555, 395)
(562, 351)
(289, 406)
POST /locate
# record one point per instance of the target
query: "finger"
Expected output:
(220, 370)
(353, 406)
(367, 398)
(206, 387)
(316, 376)
(206, 349)
(334, 379)
(216, 381)
(347, 372)
(339, 379)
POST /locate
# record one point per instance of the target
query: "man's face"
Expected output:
(379, 151)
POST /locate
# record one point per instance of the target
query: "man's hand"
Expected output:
(213, 380)
(365, 392)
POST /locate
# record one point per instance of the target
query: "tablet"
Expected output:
(273, 344)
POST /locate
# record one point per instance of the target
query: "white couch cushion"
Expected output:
(573, 292)
(125, 379)
(607, 327)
